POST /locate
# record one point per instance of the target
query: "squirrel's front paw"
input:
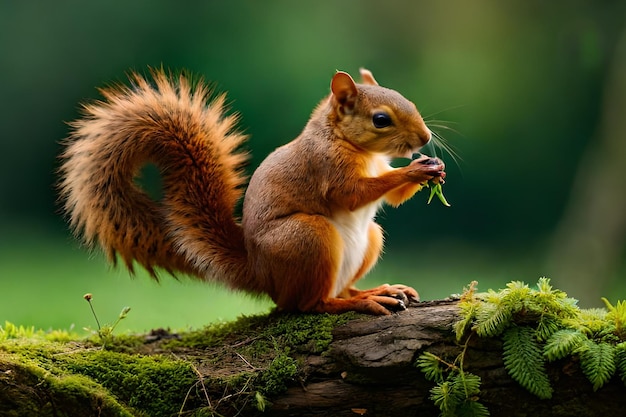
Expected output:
(426, 168)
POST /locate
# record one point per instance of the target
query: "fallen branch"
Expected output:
(367, 368)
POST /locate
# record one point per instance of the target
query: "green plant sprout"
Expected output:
(436, 189)
(105, 333)
(456, 391)
(12, 331)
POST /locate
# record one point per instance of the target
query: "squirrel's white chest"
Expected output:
(353, 227)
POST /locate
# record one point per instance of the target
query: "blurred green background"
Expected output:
(529, 93)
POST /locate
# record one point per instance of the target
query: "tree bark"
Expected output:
(368, 369)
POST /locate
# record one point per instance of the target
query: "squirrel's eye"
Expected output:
(381, 120)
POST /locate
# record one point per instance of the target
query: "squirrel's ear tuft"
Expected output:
(344, 92)
(367, 77)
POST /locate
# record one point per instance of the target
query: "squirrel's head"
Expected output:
(375, 118)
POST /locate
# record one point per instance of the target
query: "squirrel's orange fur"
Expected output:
(307, 232)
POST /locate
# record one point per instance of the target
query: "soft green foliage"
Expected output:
(444, 398)
(456, 391)
(472, 409)
(523, 360)
(12, 331)
(543, 324)
(310, 332)
(436, 189)
(78, 389)
(457, 395)
(546, 327)
(468, 313)
(563, 343)
(261, 401)
(154, 384)
(468, 307)
(617, 316)
(597, 361)
(282, 370)
(430, 365)
(65, 394)
(590, 321)
(493, 318)
(545, 305)
(104, 333)
(81, 380)
(620, 360)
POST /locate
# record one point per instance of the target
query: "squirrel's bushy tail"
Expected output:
(166, 122)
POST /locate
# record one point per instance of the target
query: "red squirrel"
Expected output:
(307, 233)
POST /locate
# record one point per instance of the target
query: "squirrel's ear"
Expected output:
(367, 77)
(344, 92)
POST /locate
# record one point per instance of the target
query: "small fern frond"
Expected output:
(469, 292)
(468, 310)
(592, 314)
(471, 408)
(518, 286)
(493, 319)
(430, 365)
(523, 360)
(544, 285)
(516, 295)
(548, 325)
(569, 306)
(597, 361)
(590, 321)
(443, 396)
(620, 360)
(468, 384)
(617, 315)
(563, 343)
(492, 297)
(461, 327)
(455, 390)
(547, 300)
(455, 396)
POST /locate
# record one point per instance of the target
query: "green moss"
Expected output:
(76, 379)
(282, 370)
(308, 332)
(29, 389)
(223, 369)
(300, 332)
(117, 343)
(154, 384)
(82, 396)
(267, 347)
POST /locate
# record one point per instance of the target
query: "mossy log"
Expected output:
(288, 365)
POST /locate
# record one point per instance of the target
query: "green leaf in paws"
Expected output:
(435, 189)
